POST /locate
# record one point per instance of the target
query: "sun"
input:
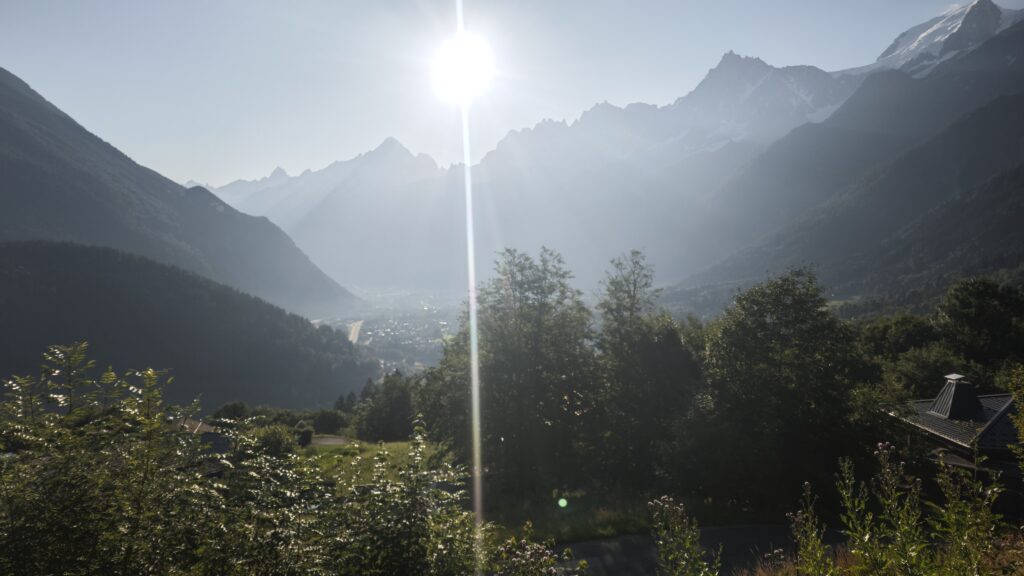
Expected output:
(463, 68)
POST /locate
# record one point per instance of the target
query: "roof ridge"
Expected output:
(999, 414)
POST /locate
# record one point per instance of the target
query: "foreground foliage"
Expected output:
(99, 476)
(889, 528)
(677, 536)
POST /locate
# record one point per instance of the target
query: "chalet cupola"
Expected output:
(957, 400)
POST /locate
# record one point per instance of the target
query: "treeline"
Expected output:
(976, 329)
(98, 475)
(383, 411)
(623, 400)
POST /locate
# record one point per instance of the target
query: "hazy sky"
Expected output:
(215, 90)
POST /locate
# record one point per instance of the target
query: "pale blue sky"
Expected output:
(218, 90)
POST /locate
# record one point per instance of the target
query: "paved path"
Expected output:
(329, 440)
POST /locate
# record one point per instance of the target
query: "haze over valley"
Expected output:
(752, 155)
(695, 288)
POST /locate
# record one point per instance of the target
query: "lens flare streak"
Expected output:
(474, 350)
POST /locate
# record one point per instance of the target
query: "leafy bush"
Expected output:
(813, 556)
(677, 536)
(100, 477)
(521, 556)
(100, 474)
(408, 525)
(892, 530)
(275, 440)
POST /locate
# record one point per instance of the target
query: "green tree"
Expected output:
(983, 321)
(650, 376)
(386, 414)
(346, 402)
(233, 411)
(537, 368)
(442, 398)
(329, 421)
(887, 337)
(627, 303)
(778, 362)
(537, 371)
(920, 372)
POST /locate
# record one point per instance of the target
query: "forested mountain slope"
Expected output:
(60, 182)
(974, 234)
(829, 195)
(222, 345)
(858, 220)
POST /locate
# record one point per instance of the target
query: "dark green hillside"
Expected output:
(977, 234)
(856, 239)
(798, 172)
(59, 182)
(222, 344)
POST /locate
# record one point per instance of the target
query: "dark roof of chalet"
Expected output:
(962, 417)
(1005, 467)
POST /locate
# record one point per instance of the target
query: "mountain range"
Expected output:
(927, 141)
(543, 185)
(94, 247)
(62, 183)
(890, 179)
(716, 187)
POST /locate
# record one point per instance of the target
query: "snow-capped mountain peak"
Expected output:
(960, 29)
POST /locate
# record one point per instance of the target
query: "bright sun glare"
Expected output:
(463, 68)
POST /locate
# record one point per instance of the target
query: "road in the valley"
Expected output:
(353, 331)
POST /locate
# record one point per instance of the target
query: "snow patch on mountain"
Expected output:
(962, 28)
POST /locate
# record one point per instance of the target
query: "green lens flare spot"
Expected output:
(562, 502)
